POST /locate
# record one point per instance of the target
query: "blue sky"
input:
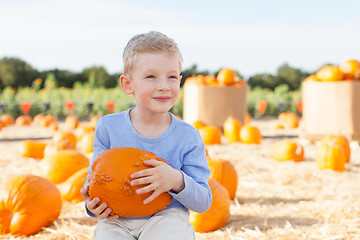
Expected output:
(247, 36)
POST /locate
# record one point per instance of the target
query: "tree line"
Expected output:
(15, 73)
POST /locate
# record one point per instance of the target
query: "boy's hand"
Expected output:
(102, 210)
(161, 178)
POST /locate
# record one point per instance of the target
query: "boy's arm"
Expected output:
(101, 143)
(196, 194)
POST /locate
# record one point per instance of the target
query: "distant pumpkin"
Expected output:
(351, 69)
(33, 149)
(331, 155)
(198, 124)
(330, 73)
(287, 150)
(342, 140)
(250, 135)
(231, 129)
(210, 135)
(226, 77)
(8, 119)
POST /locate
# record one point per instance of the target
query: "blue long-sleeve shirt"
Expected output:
(180, 145)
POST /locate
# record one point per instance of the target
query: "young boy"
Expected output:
(152, 66)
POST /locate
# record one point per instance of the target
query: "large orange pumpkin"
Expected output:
(225, 173)
(287, 150)
(218, 213)
(351, 69)
(330, 73)
(331, 155)
(60, 166)
(70, 189)
(110, 181)
(231, 129)
(33, 148)
(226, 77)
(250, 134)
(210, 134)
(32, 203)
(342, 140)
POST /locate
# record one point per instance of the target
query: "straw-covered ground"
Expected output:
(275, 200)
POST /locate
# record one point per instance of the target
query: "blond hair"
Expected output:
(150, 42)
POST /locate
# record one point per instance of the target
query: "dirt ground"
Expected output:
(274, 200)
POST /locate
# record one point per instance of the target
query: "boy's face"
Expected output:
(154, 81)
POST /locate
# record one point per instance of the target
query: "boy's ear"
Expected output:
(180, 77)
(126, 84)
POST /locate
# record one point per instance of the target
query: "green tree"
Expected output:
(99, 77)
(15, 72)
(263, 81)
(291, 76)
(65, 78)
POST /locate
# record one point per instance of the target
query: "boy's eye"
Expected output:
(173, 77)
(150, 76)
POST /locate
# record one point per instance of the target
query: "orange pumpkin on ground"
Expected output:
(218, 213)
(289, 119)
(81, 130)
(330, 73)
(37, 119)
(93, 121)
(86, 143)
(250, 135)
(110, 181)
(47, 120)
(210, 135)
(226, 77)
(53, 147)
(225, 173)
(342, 140)
(33, 149)
(231, 129)
(31, 203)
(58, 135)
(2, 124)
(70, 189)
(198, 124)
(351, 69)
(331, 155)
(8, 119)
(60, 166)
(287, 150)
(71, 123)
(23, 120)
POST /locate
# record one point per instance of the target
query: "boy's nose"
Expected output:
(163, 85)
